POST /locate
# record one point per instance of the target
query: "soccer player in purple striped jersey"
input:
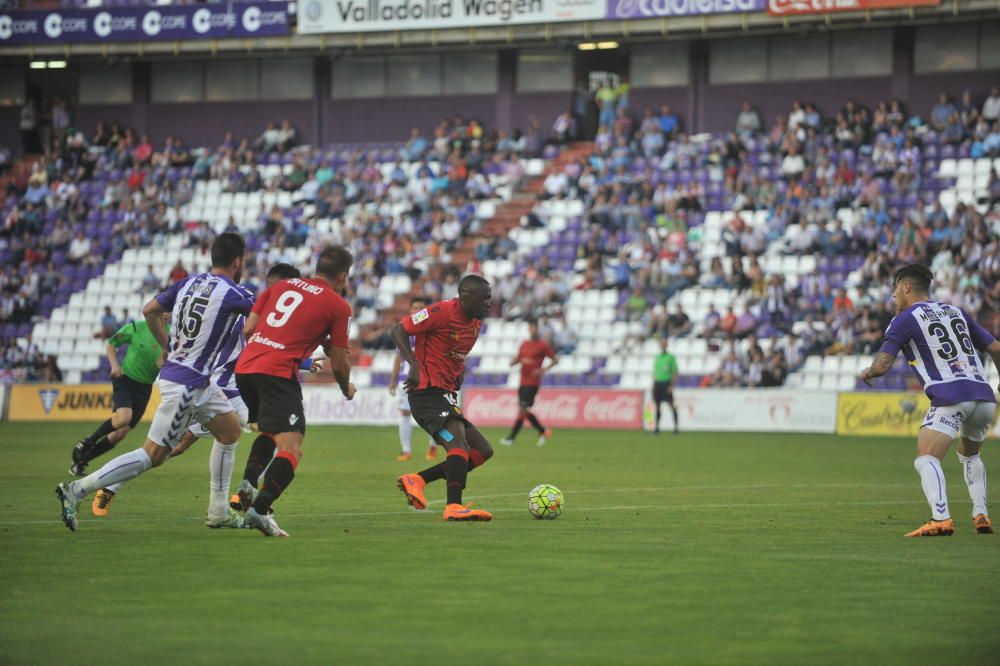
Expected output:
(400, 370)
(942, 344)
(207, 312)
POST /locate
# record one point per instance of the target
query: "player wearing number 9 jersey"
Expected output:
(289, 320)
(942, 344)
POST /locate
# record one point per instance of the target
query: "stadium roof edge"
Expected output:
(531, 35)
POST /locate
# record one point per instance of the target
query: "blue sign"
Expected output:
(132, 24)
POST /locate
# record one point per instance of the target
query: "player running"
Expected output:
(205, 315)
(222, 457)
(131, 384)
(289, 321)
(400, 370)
(531, 356)
(445, 333)
(664, 371)
(940, 342)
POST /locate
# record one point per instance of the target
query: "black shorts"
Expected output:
(273, 403)
(432, 408)
(130, 394)
(663, 392)
(526, 396)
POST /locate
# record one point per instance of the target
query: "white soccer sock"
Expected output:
(935, 489)
(974, 472)
(117, 471)
(220, 467)
(405, 433)
(114, 487)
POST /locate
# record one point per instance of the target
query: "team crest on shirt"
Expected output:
(418, 317)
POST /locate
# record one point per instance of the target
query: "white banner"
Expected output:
(756, 410)
(324, 404)
(331, 16)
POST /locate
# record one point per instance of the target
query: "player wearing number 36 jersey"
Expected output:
(942, 344)
(290, 319)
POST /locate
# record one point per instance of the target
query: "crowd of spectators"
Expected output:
(24, 362)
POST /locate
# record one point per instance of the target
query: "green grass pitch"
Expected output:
(690, 549)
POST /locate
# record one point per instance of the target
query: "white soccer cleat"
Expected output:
(232, 519)
(69, 505)
(507, 441)
(263, 524)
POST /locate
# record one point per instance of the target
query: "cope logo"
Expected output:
(6, 27)
(202, 21)
(151, 23)
(53, 26)
(251, 19)
(102, 24)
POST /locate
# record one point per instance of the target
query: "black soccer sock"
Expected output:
(517, 427)
(657, 426)
(104, 429)
(535, 423)
(435, 473)
(261, 453)
(456, 471)
(279, 475)
(676, 422)
(99, 448)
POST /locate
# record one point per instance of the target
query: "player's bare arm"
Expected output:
(340, 363)
(553, 362)
(153, 312)
(994, 352)
(112, 353)
(880, 365)
(250, 325)
(402, 340)
(394, 376)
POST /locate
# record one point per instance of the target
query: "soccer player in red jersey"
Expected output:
(289, 320)
(531, 356)
(445, 333)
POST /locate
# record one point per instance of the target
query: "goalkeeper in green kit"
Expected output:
(132, 384)
(664, 371)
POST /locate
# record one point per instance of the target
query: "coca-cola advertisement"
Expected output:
(786, 7)
(558, 407)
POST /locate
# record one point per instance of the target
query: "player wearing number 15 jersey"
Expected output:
(289, 320)
(942, 344)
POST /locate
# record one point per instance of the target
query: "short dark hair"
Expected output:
(420, 298)
(283, 272)
(473, 282)
(227, 248)
(334, 260)
(918, 275)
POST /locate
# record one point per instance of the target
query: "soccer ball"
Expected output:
(545, 502)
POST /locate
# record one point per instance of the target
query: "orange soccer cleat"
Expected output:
(982, 524)
(432, 453)
(102, 500)
(934, 528)
(465, 512)
(412, 485)
(403, 457)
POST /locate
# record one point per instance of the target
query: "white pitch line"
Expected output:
(638, 507)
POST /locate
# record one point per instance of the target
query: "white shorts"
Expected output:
(181, 405)
(404, 398)
(240, 407)
(971, 419)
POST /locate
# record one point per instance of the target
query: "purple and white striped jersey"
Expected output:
(404, 365)
(206, 325)
(942, 344)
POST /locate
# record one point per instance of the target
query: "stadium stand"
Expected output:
(763, 255)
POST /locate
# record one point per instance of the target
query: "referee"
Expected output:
(132, 383)
(664, 371)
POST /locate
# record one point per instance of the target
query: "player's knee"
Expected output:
(157, 454)
(122, 418)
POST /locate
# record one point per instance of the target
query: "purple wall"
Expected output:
(542, 106)
(10, 128)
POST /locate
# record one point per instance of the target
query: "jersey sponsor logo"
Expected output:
(266, 341)
(418, 317)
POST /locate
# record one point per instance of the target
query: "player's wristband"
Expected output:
(307, 364)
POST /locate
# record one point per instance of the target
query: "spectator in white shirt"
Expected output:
(79, 249)
(991, 107)
(556, 185)
(748, 122)
(793, 165)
